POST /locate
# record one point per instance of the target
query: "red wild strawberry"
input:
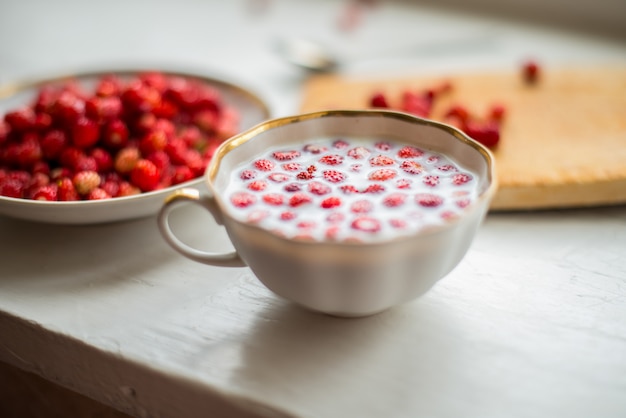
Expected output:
(428, 200)
(165, 109)
(161, 160)
(411, 167)
(286, 155)
(292, 167)
(330, 202)
(299, 199)
(109, 85)
(487, 134)
(459, 112)
(67, 108)
(374, 188)
(382, 146)
(29, 151)
(103, 108)
(11, 187)
(228, 124)
(194, 160)
(86, 181)
(358, 153)
(191, 135)
(318, 188)
(45, 99)
(340, 144)
(461, 178)
(366, 224)
(334, 176)
(127, 189)
(36, 181)
(98, 194)
(206, 120)
(382, 174)
(23, 177)
(306, 224)
(104, 161)
(379, 100)
(381, 160)
(140, 98)
(43, 122)
(48, 193)
(145, 175)
(331, 159)
(315, 149)
(242, 199)
(431, 180)
(112, 188)
(361, 206)
(415, 104)
(66, 191)
(403, 183)
(264, 165)
(530, 72)
(463, 203)
(292, 187)
(41, 167)
(432, 159)
(278, 177)
(4, 131)
(181, 174)
(257, 185)
(155, 80)
(85, 133)
(152, 141)
(247, 175)
(115, 135)
(21, 120)
(304, 175)
(394, 200)
(448, 215)
(497, 112)
(70, 156)
(85, 163)
(410, 152)
(287, 216)
(348, 189)
(274, 199)
(53, 143)
(142, 124)
(446, 168)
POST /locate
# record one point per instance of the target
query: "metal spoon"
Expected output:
(306, 54)
(314, 57)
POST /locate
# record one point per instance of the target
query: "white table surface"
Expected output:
(530, 324)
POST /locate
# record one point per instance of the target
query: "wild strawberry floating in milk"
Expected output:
(349, 190)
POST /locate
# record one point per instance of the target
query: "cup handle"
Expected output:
(188, 195)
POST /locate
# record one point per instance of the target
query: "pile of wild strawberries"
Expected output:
(125, 137)
(421, 103)
(485, 129)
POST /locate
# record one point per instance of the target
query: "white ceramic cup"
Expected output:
(340, 278)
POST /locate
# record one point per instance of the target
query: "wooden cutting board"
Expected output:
(563, 142)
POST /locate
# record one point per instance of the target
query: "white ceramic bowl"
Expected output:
(251, 108)
(342, 278)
